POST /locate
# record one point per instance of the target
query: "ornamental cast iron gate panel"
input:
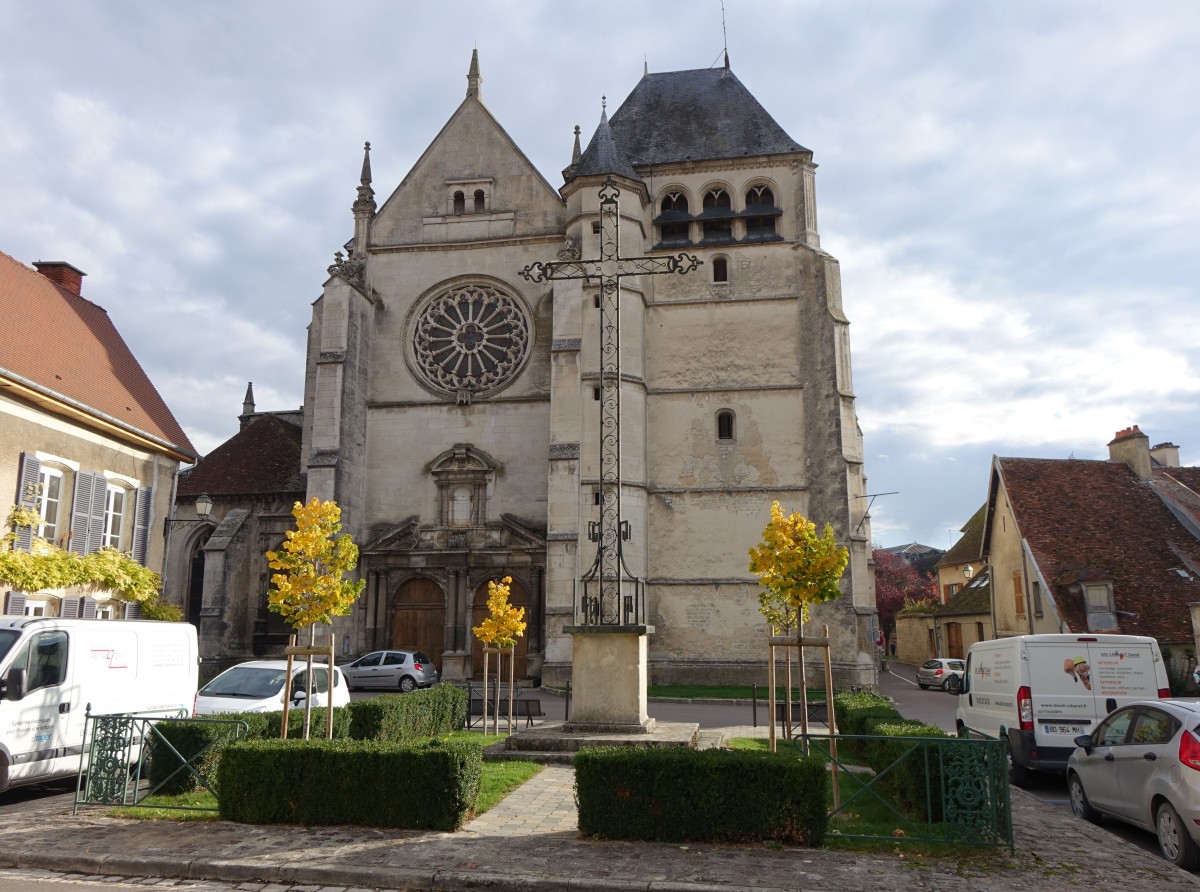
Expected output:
(115, 755)
(938, 789)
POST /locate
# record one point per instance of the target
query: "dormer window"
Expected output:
(460, 204)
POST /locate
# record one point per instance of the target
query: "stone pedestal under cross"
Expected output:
(609, 646)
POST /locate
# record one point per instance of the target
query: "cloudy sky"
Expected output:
(1011, 188)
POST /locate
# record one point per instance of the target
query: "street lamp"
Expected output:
(204, 505)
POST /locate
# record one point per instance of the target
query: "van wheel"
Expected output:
(1018, 775)
(1174, 841)
(408, 684)
(1079, 801)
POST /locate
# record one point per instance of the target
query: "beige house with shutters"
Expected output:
(85, 439)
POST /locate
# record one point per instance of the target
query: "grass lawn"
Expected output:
(727, 692)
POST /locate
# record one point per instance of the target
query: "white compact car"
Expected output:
(257, 686)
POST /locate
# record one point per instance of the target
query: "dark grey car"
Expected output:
(398, 670)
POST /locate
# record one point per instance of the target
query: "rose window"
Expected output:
(470, 340)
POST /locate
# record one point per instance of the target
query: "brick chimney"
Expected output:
(1132, 447)
(62, 274)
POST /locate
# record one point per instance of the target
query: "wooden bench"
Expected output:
(527, 708)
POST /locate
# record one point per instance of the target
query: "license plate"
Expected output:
(1062, 729)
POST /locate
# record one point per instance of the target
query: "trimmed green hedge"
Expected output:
(907, 782)
(427, 786)
(672, 794)
(397, 718)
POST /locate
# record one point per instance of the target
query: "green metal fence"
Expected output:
(932, 789)
(114, 762)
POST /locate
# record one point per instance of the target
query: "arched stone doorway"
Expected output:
(195, 589)
(518, 596)
(419, 619)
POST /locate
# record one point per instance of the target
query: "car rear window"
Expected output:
(419, 657)
(931, 664)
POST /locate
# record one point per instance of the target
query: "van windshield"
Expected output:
(7, 638)
(252, 682)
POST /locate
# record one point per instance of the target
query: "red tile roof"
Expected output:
(76, 360)
(1096, 520)
(261, 458)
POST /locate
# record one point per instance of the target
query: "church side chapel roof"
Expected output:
(705, 114)
(1094, 521)
(261, 458)
(69, 351)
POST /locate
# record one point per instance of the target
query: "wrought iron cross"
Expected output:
(608, 572)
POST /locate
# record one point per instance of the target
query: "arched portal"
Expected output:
(518, 596)
(195, 589)
(420, 618)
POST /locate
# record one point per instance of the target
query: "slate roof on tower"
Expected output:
(63, 352)
(704, 114)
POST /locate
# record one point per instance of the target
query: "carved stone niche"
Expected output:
(465, 477)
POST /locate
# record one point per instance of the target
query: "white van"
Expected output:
(53, 672)
(1040, 692)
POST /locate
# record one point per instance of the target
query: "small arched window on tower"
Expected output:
(674, 221)
(725, 425)
(479, 201)
(760, 212)
(460, 204)
(718, 216)
(720, 269)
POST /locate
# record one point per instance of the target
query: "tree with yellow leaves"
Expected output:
(504, 623)
(797, 570)
(500, 629)
(309, 587)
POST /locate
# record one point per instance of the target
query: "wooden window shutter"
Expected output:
(81, 509)
(1019, 594)
(143, 505)
(89, 609)
(27, 497)
(133, 610)
(14, 604)
(69, 608)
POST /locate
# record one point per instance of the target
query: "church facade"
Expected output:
(452, 406)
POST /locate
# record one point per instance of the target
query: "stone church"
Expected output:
(451, 406)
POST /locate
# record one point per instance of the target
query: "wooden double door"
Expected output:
(421, 617)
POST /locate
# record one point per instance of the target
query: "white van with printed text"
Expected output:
(55, 672)
(1039, 692)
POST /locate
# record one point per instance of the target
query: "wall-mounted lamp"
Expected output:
(968, 570)
(204, 505)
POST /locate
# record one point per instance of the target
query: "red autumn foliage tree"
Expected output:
(898, 583)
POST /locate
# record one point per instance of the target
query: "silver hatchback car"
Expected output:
(399, 670)
(938, 672)
(1141, 765)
